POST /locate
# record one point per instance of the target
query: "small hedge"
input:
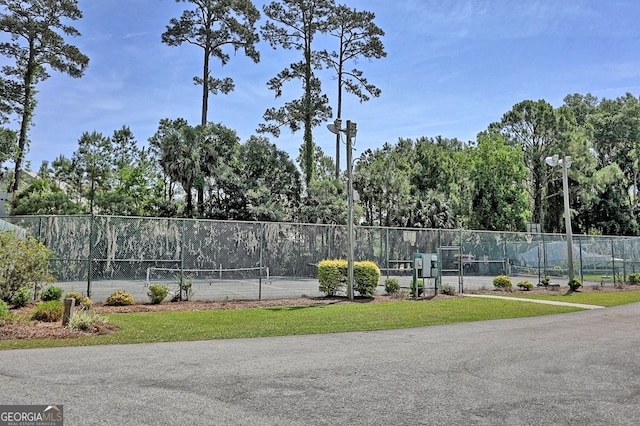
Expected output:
(50, 311)
(4, 310)
(574, 284)
(525, 285)
(332, 277)
(119, 298)
(502, 282)
(634, 278)
(366, 275)
(391, 285)
(82, 302)
(448, 289)
(21, 297)
(412, 286)
(51, 293)
(157, 293)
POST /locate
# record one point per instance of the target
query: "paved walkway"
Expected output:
(579, 368)
(546, 302)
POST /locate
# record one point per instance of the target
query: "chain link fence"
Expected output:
(227, 259)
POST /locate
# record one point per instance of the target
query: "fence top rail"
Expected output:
(462, 231)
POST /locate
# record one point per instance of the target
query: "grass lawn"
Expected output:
(281, 321)
(604, 298)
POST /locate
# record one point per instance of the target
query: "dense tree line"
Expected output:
(498, 182)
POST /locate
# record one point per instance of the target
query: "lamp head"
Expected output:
(333, 129)
(552, 161)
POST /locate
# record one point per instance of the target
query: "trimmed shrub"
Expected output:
(50, 311)
(574, 284)
(21, 297)
(158, 292)
(332, 276)
(366, 275)
(82, 302)
(87, 321)
(51, 293)
(391, 285)
(448, 289)
(545, 281)
(23, 262)
(119, 298)
(502, 282)
(634, 278)
(525, 285)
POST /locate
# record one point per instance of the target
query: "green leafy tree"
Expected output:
(358, 37)
(293, 25)
(616, 139)
(43, 196)
(36, 32)
(165, 190)
(382, 178)
(192, 156)
(441, 173)
(604, 208)
(23, 262)
(132, 183)
(91, 164)
(8, 148)
(325, 198)
(540, 132)
(500, 200)
(213, 25)
(272, 181)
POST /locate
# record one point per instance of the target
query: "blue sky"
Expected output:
(452, 68)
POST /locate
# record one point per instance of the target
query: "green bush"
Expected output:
(502, 282)
(23, 262)
(50, 311)
(87, 321)
(413, 287)
(158, 292)
(545, 281)
(4, 310)
(332, 276)
(525, 285)
(448, 289)
(634, 278)
(574, 284)
(119, 298)
(51, 293)
(21, 297)
(366, 275)
(391, 285)
(82, 302)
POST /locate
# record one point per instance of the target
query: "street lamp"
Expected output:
(350, 132)
(565, 163)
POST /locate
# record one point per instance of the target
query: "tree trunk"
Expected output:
(27, 113)
(205, 88)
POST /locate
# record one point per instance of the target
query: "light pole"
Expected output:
(350, 132)
(565, 163)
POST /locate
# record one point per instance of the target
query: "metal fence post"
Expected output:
(260, 261)
(90, 264)
(182, 239)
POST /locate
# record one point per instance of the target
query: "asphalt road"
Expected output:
(573, 369)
